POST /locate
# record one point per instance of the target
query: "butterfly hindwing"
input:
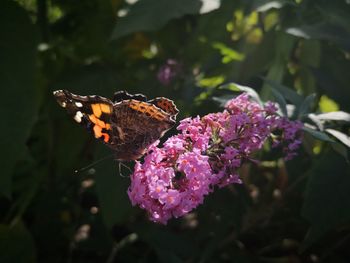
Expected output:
(93, 112)
(166, 105)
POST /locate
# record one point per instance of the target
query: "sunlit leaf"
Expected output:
(236, 87)
(255, 36)
(319, 123)
(334, 116)
(327, 105)
(210, 82)
(270, 20)
(333, 79)
(228, 53)
(340, 136)
(209, 5)
(265, 5)
(243, 25)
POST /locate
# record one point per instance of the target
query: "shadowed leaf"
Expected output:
(150, 15)
(20, 98)
(327, 202)
(16, 244)
(318, 135)
(322, 31)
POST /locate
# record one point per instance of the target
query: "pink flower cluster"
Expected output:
(174, 179)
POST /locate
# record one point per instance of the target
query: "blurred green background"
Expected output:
(296, 211)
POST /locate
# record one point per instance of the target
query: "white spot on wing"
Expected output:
(56, 91)
(78, 104)
(63, 104)
(78, 116)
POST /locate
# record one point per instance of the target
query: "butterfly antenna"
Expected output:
(120, 164)
(93, 164)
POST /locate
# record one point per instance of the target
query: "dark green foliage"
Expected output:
(293, 52)
(18, 75)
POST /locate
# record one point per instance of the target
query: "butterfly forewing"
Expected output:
(128, 126)
(123, 95)
(93, 112)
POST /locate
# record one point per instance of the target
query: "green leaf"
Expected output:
(316, 121)
(210, 82)
(333, 79)
(318, 135)
(309, 54)
(228, 53)
(222, 100)
(281, 101)
(334, 116)
(16, 244)
(165, 242)
(306, 105)
(287, 93)
(265, 5)
(167, 255)
(17, 74)
(150, 15)
(326, 104)
(111, 189)
(341, 149)
(322, 31)
(327, 202)
(209, 6)
(259, 59)
(236, 87)
(283, 48)
(336, 13)
(340, 136)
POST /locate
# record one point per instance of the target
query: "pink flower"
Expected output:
(230, 179)
(168, 71)
(174, 179)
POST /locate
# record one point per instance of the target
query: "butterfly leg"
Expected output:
(120, 165)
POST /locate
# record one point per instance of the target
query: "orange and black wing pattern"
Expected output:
(92, 112)
(166, 105)
(129, 124)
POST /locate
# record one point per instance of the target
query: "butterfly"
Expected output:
(128, 124)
